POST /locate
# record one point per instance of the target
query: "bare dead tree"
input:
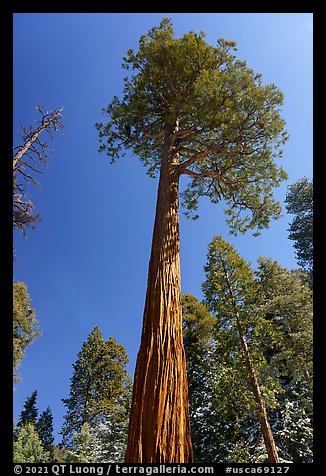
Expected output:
(28, 160)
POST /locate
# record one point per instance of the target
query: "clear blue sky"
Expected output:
(86, 262)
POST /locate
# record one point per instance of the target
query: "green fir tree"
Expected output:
(286, 302)
(96, 384)
(44, 427)
(28, 447)
(29, 413)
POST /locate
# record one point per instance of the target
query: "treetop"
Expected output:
(223, 123)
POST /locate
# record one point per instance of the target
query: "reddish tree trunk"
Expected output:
(159, 427)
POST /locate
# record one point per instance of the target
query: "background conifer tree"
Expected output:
(83, 446)
(198, 338)
(28, 447)
(44, 427)
(111, 435)
(97, 382)
(230, 292)
(222, 410)
(299, 202)
(29, 413)
(286, 301)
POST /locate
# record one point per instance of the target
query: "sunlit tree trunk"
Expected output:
(159, 427)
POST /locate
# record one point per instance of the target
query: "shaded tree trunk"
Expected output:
(159, 427)
(261, 410)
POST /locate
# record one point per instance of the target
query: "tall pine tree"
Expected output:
(230, 292)
(222, 409)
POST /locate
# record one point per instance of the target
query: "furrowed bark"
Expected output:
(159, 427)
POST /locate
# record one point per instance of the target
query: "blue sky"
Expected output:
(86, 262)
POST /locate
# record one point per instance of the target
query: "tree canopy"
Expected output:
(227, 125)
